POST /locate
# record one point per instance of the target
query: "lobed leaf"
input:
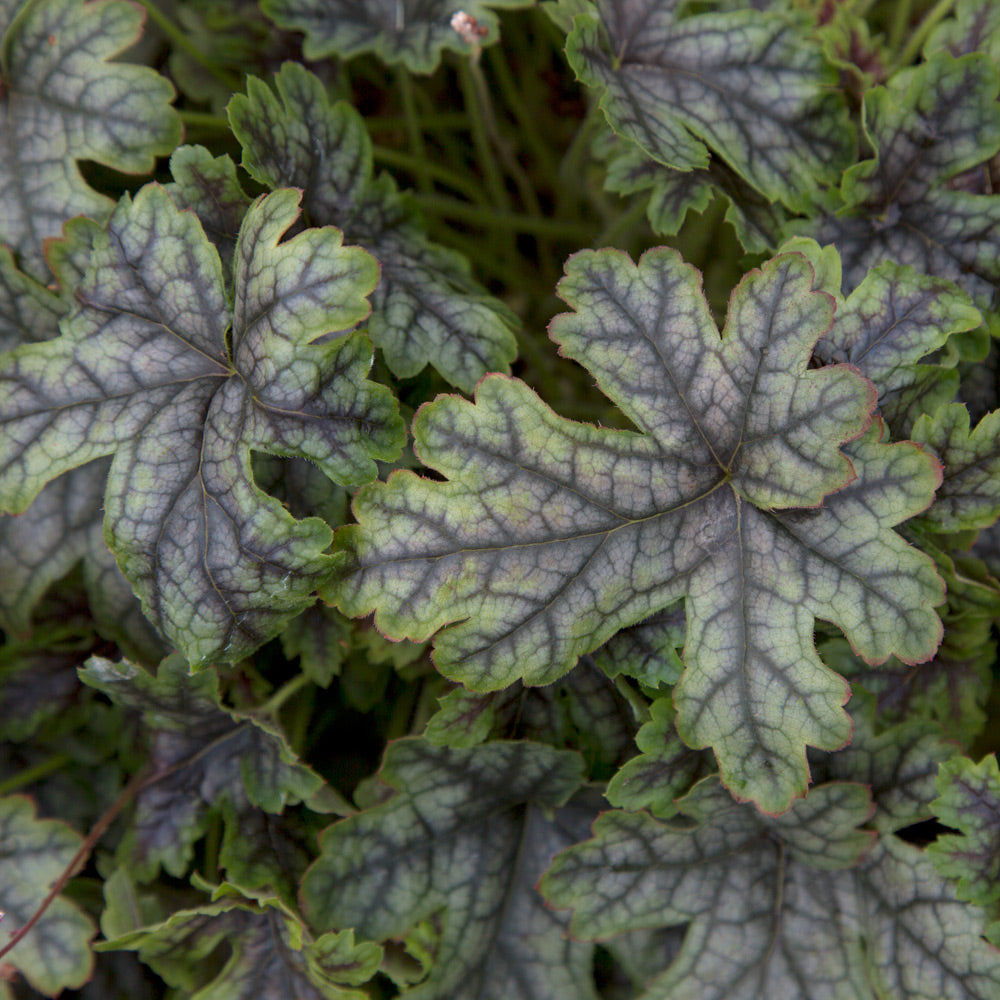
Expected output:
(549, 535)
(56, 954)
(969, 800)
(969, 496)
(273, 956)
(62, 100)
(465, 834)
(928, 125)
(771, 910)
(750, 86)
(415, 33)
(426, 309)
(146, 370)
(208, 756)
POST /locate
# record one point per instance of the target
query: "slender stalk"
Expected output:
(181, 41)
(453, 120)
(902, 13)
(273, 704)
(203, 119)
(937, 13)
(413, 132)
(31, 774)
(480, 136)
(445, 175)
(517, 222)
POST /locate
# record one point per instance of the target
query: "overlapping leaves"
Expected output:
(62, 99)
(464, 839)
(771, 909)
(749, 86)
(203, 756)
(426, 309)
(155, 367)
(738, 492)
(930, 127)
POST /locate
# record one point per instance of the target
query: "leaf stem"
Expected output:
(204, 119)
(413, 132)
(517, 222)
(447, 120)
(480, 136)
(273, 704)
(452, 178)
(937, 13)
(33, 773)
(181, 41)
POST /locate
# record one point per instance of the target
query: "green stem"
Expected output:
(427, 123)
(567, 229)
(452, 178)
(203, 119)
(32, 774)
(414, 135)
(937, 13)
(274, 703)
(900, 24)
(612, 234)
(480, 136)
(181, 41)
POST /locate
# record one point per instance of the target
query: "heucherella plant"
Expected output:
(499, 500)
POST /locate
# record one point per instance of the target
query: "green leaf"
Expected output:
(55, 954)
(273, 956)
(466, 833)
(969, 495)
(62, 100)
(207, 755)
(887, 325)
(319, 637)
(415, 33)
(647, 651)
(28, 310)
(749, 86)
(927, 126)
(969, 801)
(756, 219)
(973, 27)
(550, 536)
(146, 370)
(210, 187)
(772, 911)
(664, 770)
(426, 309)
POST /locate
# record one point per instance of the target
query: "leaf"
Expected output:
(210, 187)
(726, 875)
(756, 219)
(55, 954)
(664, 770)
(647, 651)
(319, 637)
(928, 125)
(273, 955)
(415, 33)
(145, 370)
(894, 319)
(749, 86)
(550, 535)
(426, 309)
(969, 495)
(582, 711)
(205, 755)
(974, 27)
(772, 911)
(466, 834)
(28, 310)
(969, 800)
(64, 100)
